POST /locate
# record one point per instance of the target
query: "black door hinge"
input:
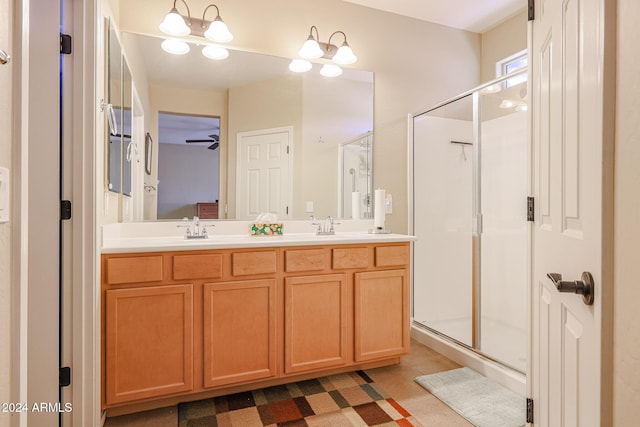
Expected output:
(529, 410)
(287, 149)
(65, 376)
(530, 209)
(65, 209)
(531, 10)
(287, 210)
(65, 44)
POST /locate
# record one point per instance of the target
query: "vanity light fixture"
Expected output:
(178, 25)
(313, 48)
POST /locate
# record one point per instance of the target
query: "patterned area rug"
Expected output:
(350, 399)
(483, 402)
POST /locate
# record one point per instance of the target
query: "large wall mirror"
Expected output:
(257, 100)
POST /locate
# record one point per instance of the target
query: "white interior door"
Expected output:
(567, 57)
(264, 173)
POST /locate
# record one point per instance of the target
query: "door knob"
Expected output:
(4, 57)
(583, 287)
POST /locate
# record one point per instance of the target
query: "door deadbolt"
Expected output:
(584, 287)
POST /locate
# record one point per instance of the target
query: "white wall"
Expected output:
(626, 393)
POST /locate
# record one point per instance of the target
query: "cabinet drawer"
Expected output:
(296, 260)
(247, 263)
(208, 266)
(392, 255)
(139, 269)
(350, 258)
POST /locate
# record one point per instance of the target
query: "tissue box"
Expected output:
(266, 229)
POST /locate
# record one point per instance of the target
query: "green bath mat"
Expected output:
(483, 402)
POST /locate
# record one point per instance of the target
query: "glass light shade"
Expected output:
(344, 55)
(174, 25)
(522, 107)
(300, 66)
(330, 70)
(311, 49)
(218, 31)
(215, 52)
(175, 47)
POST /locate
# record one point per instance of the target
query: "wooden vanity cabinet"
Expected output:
(381, 313)
(239, 333)
(315, 334)
(149, 342)
(194, 324)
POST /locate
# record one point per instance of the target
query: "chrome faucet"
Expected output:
(195, 230)
(326, 227)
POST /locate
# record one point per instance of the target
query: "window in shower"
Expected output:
(511, 64)
(469, 214)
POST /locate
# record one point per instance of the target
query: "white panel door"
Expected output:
(264, 169)
(567, 112)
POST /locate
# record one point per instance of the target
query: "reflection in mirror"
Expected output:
(252, 92)
(127, 147)
(356, 158)
(114, 113)
(188, 165)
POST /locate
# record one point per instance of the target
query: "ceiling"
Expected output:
(471, 15)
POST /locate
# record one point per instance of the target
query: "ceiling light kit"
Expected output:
(177, 25)
(313, 48)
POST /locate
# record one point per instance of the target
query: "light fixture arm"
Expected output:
(317, 38)
(205, 13)
(188, 11)
(329, 45)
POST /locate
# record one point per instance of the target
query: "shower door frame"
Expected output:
(476, 220)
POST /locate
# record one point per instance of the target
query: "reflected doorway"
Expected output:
(188, 164)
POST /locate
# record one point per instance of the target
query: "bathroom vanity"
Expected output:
(190, 320)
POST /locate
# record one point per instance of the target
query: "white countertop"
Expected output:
(155, 237)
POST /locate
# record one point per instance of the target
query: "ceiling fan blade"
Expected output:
(197, 140)
(213, 146)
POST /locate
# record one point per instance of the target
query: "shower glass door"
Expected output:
(443, 219)
(503, 250)
(470, 165)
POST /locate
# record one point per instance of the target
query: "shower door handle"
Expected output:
(584, 287)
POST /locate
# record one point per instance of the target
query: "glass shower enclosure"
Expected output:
(470, 166)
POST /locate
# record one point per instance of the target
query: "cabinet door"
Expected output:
(315, 322)
(239, 331)
(381, 314)
(149, 342)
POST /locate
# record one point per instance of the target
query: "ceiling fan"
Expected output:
(212, 138)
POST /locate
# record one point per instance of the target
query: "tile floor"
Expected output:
(396, 380)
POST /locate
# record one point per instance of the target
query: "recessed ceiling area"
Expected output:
(471, 15)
